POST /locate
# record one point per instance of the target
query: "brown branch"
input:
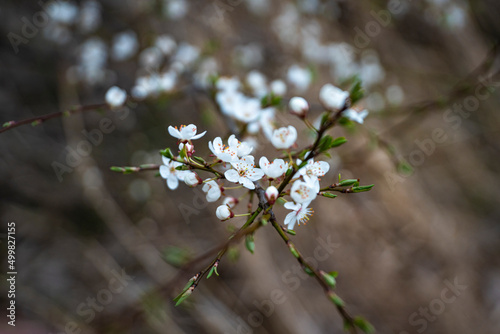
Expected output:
(40, 119)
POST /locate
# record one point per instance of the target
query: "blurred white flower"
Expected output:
(278, 87)
(62, 12)
(115, 97)
(298, 106)
(175, 9)
(332, 98)
(125, 45)
(299, 77)
(300, 214)
(355, 116)
(284, 138)
(166, 44)
(257, 82)
(248, 110)
(90, 16)
(228, 84)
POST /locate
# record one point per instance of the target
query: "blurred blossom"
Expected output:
(90, 16)
(371, 72)
(57, 33)
(286, 24)
(257, 82)
(299, 77)
(62, 12)
(278, 87)
(166, 44)
(93, 58)
(186, 54)
(258, 7)
(207, 69)
(175, 9)
(151, 58)
(249, 55)
(394, 94)
(125, 45)
(375, 101)
(455, 16)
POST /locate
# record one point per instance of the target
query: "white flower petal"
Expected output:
(232, 175)
(174, 132)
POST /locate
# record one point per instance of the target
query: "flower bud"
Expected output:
(188, 147)
(115, 97)
(272, 194)
(223, 212)
(230, 201)
(298, 106)
(192, 179)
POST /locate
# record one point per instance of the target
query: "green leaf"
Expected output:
(183, 297)
(330, 280)
(233, 254)
(293, 250)
(212, 270)
(334, 274)
(337, 300)
(117, 169)
(362, 188)
(186, 287)
(324, 117)
(292, 232)
(167, 153)
(338, 141)
(200, 160)
(182, 167)
(176, 256)
(348, 182)
(405, 168)
(364, 325)
(357, 92)
(249, 243)
(308, 271)
(6, 124)
(327, 194)
(325, 143)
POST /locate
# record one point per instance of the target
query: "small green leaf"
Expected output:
(6, 124)
(324, 117)
(182, 167)
(334, 274)
(325, 143)
(167, 153)
(183, 297)
(176, 256)
(200, 160)
(292, 232)
(308, 271)
(117, 169)
(364, 325)
(289, 171)
(362, 188)
(338, 141)
(213, 270)
(330, 280)
(327, 194)
(293, 250)
(249, 243)
(357, 91)
(348, 182)
(337, 300)
(405, 168)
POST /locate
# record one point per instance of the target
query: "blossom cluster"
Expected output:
(232, 161)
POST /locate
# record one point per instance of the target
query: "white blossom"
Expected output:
(299, 77)
(228, 84)
(244, 172)
(212, 189)
(125, 45)
(223, 212)
(192, 179)
(313, 169)
(284, 138)
(272, 194)
(298, 106)
(221, 151)
(115, 97)
(248, 110)
(185, 133)
(169, 173)
(304, 191)
(273, 169)
(300, 214)
(332, 97)
(230, 201)
(278, 87)
(257, 82)
(241, 148)
(355, 116)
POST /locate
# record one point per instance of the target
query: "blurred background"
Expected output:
(100, 252)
